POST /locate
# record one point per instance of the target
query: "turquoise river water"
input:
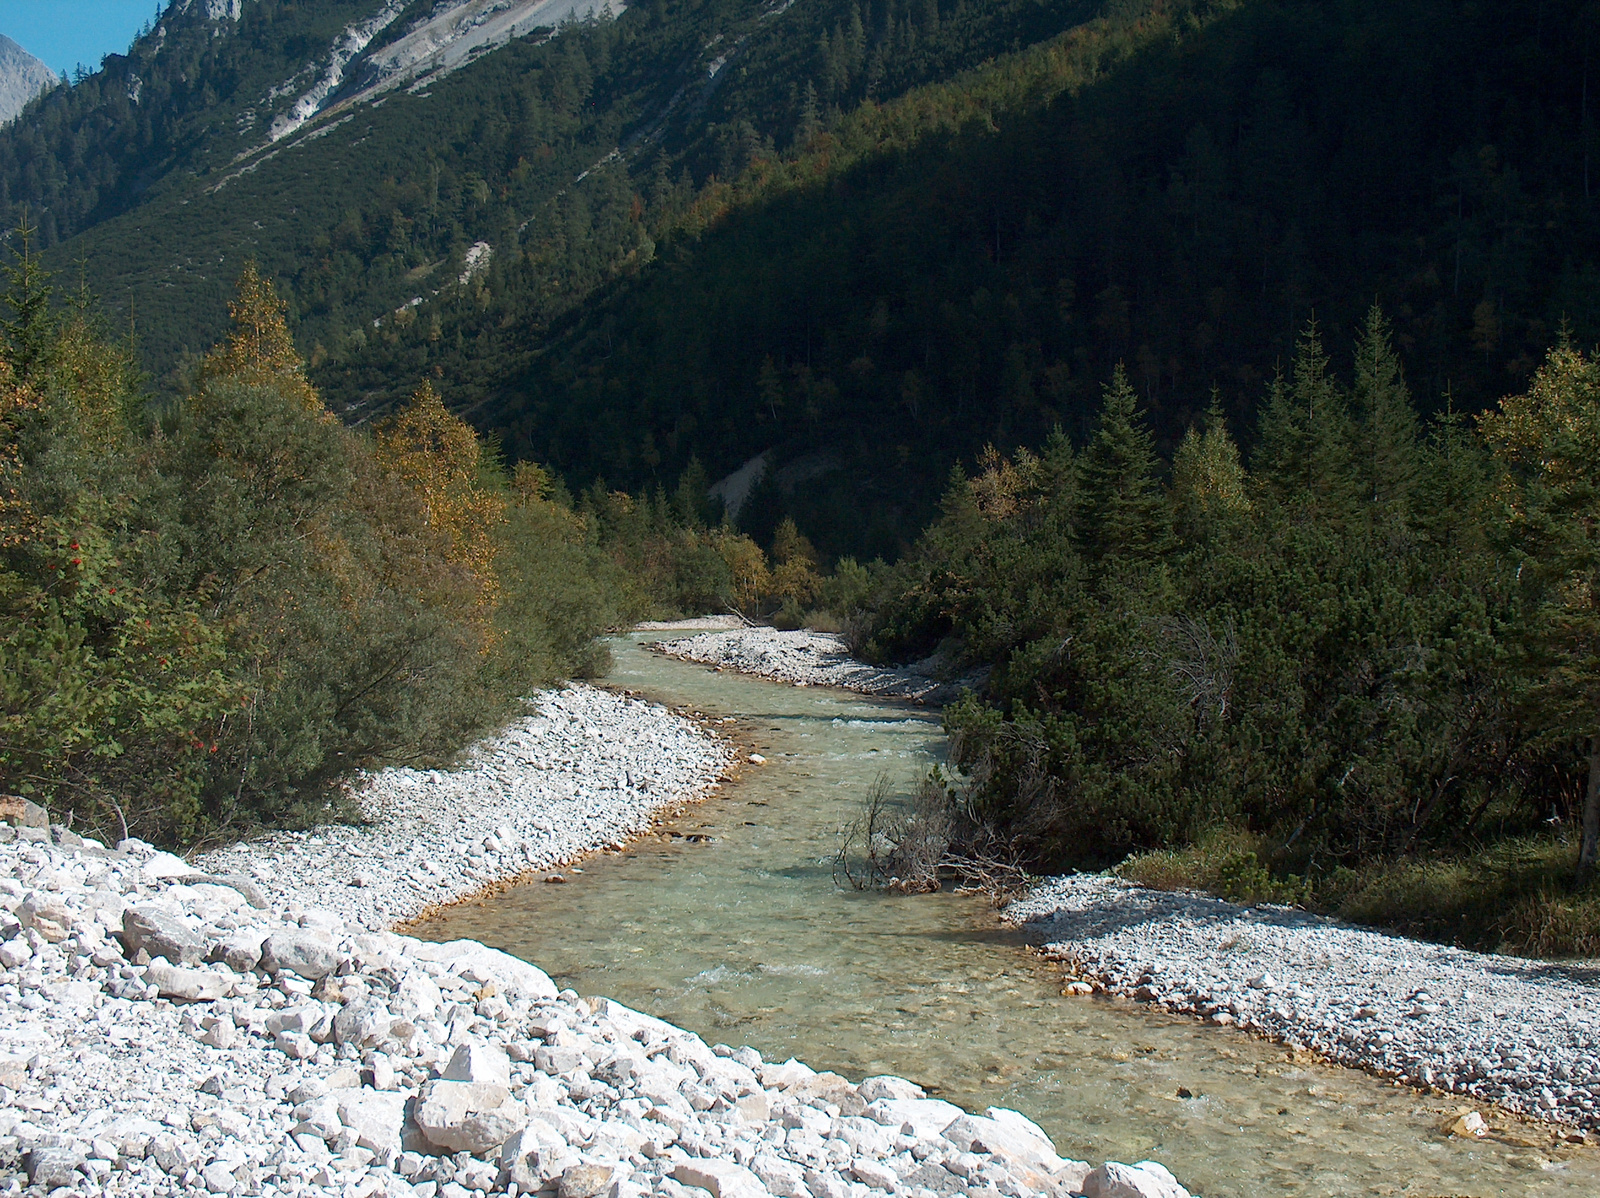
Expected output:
(741, 935)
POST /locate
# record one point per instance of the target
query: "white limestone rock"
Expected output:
(723, 1178)
(1143, 1180)
(376, 1117)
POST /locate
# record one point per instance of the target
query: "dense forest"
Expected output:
(159, 170)
(865, 238)
(1177, 186)
(1368, 657)
(217, 610)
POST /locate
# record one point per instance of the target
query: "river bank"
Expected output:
(1493, 1029)
(585, 769)
(242, 1025)
(806, 658)
(1521, 1034)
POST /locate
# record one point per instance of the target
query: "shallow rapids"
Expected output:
(735, 929)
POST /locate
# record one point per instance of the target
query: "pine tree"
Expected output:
(1386, 439)
(1122, 515)
(1547, 443)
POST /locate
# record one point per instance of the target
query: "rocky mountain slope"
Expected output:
(360, 148)
(22, 77)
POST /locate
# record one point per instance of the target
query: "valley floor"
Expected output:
(806, 658)
(242, 1024)
(1518, 1033)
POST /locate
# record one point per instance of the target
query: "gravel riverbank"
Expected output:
(242, 1024)
(1522, 1034)
(586, 769)
(806, 658)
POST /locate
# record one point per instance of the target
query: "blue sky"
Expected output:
(65, 33)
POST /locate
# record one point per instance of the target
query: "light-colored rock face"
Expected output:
(440, 41)
(22, 77)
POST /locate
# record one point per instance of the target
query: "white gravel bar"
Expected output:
(586, 769)
(243, 1024)
(1522, 1034)
(805, 658)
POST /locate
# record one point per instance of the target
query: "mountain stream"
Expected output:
(730, 924)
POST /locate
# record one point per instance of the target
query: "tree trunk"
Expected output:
(1591, 816)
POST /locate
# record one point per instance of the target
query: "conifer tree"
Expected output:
(1547, 442)
(1453, 480)
(1304, 457)
(259, 352)
(1121, 513)
(1386, 439)
(1208, 478)
(30, 327)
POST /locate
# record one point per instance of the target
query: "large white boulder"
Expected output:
(479, 963)
(377, 1118)
(479, 1062)
(417, 998)
(1147, 1179)
(363, 1022)
(1014, 1140)
(784, 1179)
(887, 1086)
(536, 1156)
(723, 1179)
(190, 985)
(308, 952)
(475, 1117)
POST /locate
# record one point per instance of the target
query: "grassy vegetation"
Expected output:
(1514, 896)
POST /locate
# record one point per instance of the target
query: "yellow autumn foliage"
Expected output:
(438, 456)
(259, 352)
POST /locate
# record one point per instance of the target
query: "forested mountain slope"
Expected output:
(1179, 187)
(427, 137)
(868, 236)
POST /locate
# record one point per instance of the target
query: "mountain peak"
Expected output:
(22, 77)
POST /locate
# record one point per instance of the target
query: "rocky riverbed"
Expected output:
(805, 658)
(585, 769)
(1522, 1034)
(242, 1024)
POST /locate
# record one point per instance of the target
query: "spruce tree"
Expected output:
(30, 327)
(1453, 481)
(1387, 454)
(1547, 443)
(1305, 453)
(1121, 514)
